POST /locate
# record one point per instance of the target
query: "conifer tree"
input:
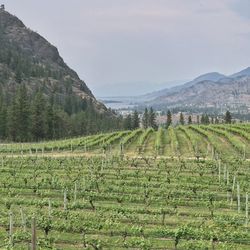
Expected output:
(228, 117)
(12, 122)
(145, 119)
(22, 114)
(50, 122)
(38, 117)
(169, 119)
(198, 119)
(128, 122)
(3, 120)
(182, 122)
(135, 120)
(205, 119)
(152, 119)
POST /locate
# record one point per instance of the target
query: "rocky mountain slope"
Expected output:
(209, 90)
(28, 58)
(213, 76)
(211, 94)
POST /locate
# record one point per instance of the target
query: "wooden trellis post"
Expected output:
(246, 209)
(225, 174)
(238, 197)
(227, 177)
(219, 165)
(232, 194)
(23, 219)
(75, 193)
(212, 152)
(50, 210)
(33, 237)
(65, 200)
(11, 229)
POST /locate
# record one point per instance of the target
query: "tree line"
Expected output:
(25, 117)
(149, 119)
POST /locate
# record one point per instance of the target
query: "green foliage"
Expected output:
(152, 119)
(128, 122)
(135, 120)
(37, 101)
(159, 141)
(228, 117)
(35, 118)
(204, 119)
(143, 138)
(145, 119)
(189, 119)
(182, 121)
(169, 119)
(138, 202)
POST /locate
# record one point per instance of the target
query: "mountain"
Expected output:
(28, 58)
(41, 97)
(244, 72)
(212, 90)
(213, 76)
(210, 94)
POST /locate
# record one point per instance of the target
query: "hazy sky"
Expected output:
(128, 47)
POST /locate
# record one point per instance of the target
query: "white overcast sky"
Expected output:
(129, 47)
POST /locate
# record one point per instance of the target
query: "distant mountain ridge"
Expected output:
(209, 90)
(244, 72)
(212, 76)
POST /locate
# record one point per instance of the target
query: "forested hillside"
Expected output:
(40, 96)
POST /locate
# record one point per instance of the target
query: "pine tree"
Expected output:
(18, 73)
(189, 119)
(12, 121)
(38, 117)
(135, 120)
(128, 122)
(169, 119)
(145, 119)
(198, 119)
(50, 122)
(203, 119)
(22, 114)
(3, 120)
(152, 119)
(207, 119)
(228, 117)
(182, 122)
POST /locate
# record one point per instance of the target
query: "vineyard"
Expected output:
(207, 142)
(178, 188)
